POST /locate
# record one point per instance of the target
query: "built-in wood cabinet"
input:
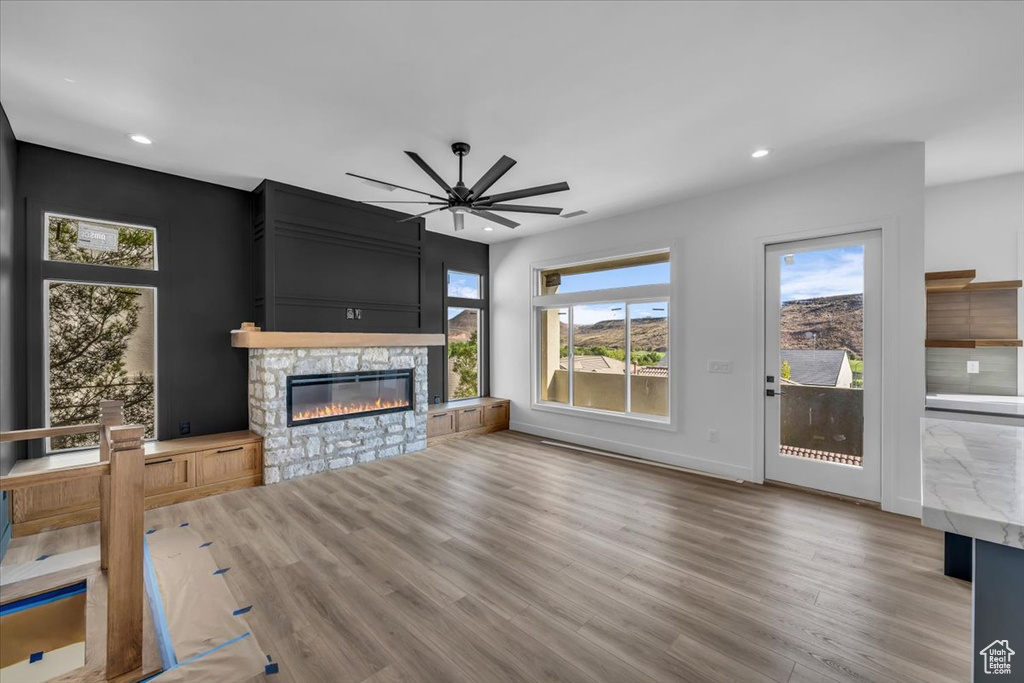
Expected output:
(464, 418)
(171, 473)
(176, 471)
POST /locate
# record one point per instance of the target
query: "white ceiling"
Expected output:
(632, 103)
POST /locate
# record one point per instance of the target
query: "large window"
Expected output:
(603, 336)
(465, 307)
(99, 324)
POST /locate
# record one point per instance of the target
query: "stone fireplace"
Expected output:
(324, 408)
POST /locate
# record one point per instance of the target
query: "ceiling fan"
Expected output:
(461, 200)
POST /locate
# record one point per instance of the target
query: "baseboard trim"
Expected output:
(647, 455)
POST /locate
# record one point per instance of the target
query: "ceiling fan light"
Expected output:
(460, 220)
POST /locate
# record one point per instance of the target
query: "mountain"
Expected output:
(463, 325)
(646, 335)
(836, 321)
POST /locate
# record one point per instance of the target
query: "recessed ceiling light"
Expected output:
(761, 153)
(488, 228)
(140, 138)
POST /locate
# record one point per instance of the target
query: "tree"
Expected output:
(463, 361)
(787, 370)
(90, 327)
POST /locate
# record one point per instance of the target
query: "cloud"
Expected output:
(831, 272)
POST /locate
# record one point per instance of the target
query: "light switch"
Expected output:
(973, 367)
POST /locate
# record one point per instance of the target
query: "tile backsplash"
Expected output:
(946, 371)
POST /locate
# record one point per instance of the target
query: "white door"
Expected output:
(823, 364)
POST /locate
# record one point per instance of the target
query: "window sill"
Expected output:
(634, 420)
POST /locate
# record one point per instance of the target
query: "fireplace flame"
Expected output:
(338, 409)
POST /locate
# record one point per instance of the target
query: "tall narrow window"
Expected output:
(466, 305)
(100, 327)
(603, 336)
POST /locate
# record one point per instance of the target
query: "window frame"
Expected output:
(481, 305)
(627, 296)
(40, 271)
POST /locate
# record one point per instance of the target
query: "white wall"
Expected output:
(716, 243)
(975, 225)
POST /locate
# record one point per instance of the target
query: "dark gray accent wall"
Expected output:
(11, 409)
(205, 276)
(316, 256)
(445, 252)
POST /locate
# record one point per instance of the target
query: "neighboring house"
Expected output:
(594, 364)
(660, 369)
(819, 367)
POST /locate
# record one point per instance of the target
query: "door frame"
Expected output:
(889, 227)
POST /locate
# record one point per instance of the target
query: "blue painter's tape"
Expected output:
(241, 610)
(222, 571)
(42, 599)
(41, 558)
(35, 657)
(183, 525)
(199, 656)
(270, 668)
(206, 544)
(156, 606)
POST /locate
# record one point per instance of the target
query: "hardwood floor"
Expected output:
(500, 559)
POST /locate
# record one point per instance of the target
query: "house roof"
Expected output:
(594, 364)
(817, 367)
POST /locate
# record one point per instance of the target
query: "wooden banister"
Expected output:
(121, 467)
(111, 415)
(126, 520)
(49, 432)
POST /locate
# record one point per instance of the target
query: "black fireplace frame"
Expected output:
(348, 377)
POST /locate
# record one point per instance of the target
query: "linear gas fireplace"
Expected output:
(343, 395)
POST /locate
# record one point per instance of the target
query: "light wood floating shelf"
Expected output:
(952, 279)
(971, 343)
(254, 338)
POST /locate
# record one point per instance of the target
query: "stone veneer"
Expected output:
(290, 452)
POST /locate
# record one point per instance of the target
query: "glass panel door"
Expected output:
(822, 340)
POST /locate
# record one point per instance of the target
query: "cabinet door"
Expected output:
(439, 424)
(470, 418)
(496, 414)
(46, 500)
(229, 462)
(172, 473)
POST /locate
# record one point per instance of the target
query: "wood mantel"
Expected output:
(252, 337)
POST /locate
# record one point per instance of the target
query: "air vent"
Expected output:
(574, 214)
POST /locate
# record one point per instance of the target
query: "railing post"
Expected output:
(126, 518)
(111, 415)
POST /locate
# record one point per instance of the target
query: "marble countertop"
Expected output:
(976, 403)
(973, 479)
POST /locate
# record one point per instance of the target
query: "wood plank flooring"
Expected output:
(498, 558)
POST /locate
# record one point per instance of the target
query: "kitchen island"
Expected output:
(973, 488)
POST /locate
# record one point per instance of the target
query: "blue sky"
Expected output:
(464, 285)
(652, 273)
(823, 272)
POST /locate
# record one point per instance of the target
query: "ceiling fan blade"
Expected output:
(430, 172)
(522, 194)
(388, 201)
(421, 215)
(400, 187)
(500, 168)
(522, 208)
(494, 218)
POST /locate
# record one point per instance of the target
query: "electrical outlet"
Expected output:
(359, 314)
(720, 366)
(350, 314)
(973, 367)
(713, 435)
(184, 428)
